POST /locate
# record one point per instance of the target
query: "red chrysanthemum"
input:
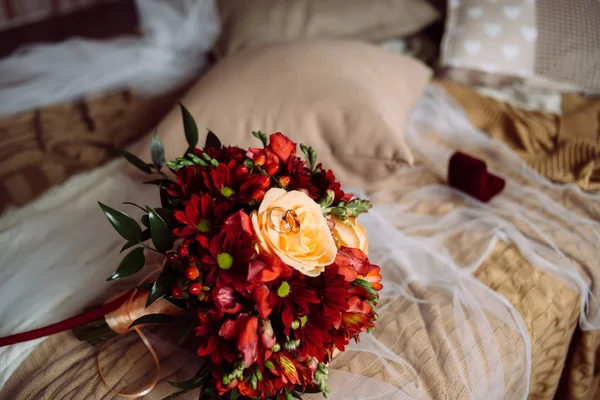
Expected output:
(324, 180)
(189, 181)
(279, 288)
(234, 183)
(226, 259)
(201, 217)
(314, 336)
(334, 291)
(299, 176)
(224, 154)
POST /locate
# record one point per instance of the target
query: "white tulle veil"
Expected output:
(177, 36)
(441, 332)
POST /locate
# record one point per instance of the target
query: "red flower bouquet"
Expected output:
(264, 263)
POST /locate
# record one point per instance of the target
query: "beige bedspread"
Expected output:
(63, 368)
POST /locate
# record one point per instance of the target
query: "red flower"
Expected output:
(314, 336)
(265, 159)
(373, 277)
(223, 154)
(244, 330)
(334, 290)
(267, 268)
(358, 318)
(278, 287)
(291, 298)
(352, 263)
(211, 345)
(224, 298)
(201, 217)
(239, 223)
(226, 259)
(324, 181)
(300, 178)
(189, 181)
(282, 146)
(235, 183)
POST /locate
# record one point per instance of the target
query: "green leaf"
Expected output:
(161, 235)
(174, 395)
(180, 303)
(189, 127)
(159, 182)
(153, 319)
(194, 382)
(144, 286)
(145, 235)
(167, 216)
(296, 395)
(304, 149)
(311, 154)
(212, 140)
(188, 324)
(162, 286)
(260, 135)
(208, 394)
(127, 246)
(146, 221)
(157, 151)
(164, 198)
(123, 223)
(135, 205)
(133, 159)
(130, 264)
(235, 395)
(309, 389)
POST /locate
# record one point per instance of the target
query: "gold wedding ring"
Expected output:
(289, 221)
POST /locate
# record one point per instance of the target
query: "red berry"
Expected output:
(195, 289)
(193, 260)
(176, 292)
(192, 273)
(182, 251)
(172, 257)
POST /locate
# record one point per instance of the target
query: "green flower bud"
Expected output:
(269, 365)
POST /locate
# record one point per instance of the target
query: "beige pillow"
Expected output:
(348, 100)
(258, 22)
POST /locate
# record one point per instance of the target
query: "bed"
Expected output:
(494, 301)
(536, 334)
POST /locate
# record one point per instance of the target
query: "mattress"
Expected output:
(530, 299)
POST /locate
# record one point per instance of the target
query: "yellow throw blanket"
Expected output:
(564, 149)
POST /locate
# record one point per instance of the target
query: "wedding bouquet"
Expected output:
(265, 265)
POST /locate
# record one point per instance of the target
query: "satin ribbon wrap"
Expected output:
(120, 321)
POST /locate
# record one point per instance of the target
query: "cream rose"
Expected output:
(350, 233)
(311, 248)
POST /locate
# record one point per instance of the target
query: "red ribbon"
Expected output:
(65, 325)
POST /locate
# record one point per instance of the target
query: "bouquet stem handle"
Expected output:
(65, 325)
